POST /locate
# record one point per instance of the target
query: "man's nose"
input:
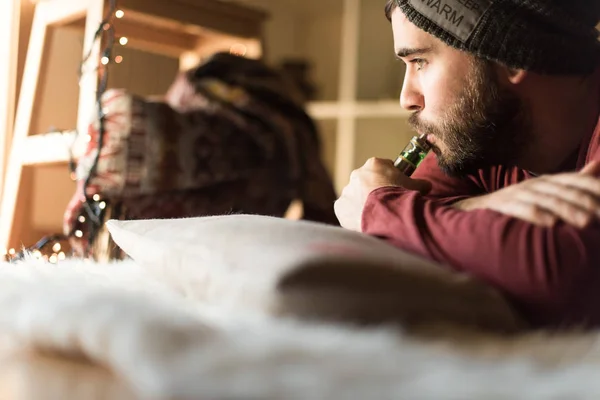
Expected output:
(411, 98)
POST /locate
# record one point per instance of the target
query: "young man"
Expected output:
(508, 94)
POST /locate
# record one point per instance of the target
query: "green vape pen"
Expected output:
(412, 155)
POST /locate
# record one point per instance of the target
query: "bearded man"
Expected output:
(507, 92)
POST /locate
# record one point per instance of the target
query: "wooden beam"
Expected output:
(57, 147)
(155, 39)
(35, 53)
(346, 129)
(359, 109)
(61, 12)
(9, 52)
(150, 38)
(209, 14)
(51, 148)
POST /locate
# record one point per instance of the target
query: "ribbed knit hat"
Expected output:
(545, 36)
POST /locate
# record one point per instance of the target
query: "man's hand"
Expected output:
(374, 174)
(571, 197)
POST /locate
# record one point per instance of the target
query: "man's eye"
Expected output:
(419, 62)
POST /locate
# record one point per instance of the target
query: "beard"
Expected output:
(487, 125)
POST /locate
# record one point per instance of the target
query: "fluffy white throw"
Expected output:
(169, 344)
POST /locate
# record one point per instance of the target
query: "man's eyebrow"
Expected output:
(407, 52)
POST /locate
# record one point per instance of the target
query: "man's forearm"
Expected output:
(543, 269)
(470, 203)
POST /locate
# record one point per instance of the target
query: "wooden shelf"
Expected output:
(56, 147)
(359, 109)
(52, 148)
(197, 16)
(181, 26)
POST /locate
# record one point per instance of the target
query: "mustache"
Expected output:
(414, 121)
(414, 118)
(417, 124)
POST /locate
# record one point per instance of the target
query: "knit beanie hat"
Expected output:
(544, 36)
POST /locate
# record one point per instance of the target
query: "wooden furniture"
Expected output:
(187, 29)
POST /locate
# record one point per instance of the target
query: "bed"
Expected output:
(256, 307)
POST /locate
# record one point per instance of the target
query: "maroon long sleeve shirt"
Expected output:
(552, 275)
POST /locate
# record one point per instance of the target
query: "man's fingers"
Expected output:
(374, 162)
(584, 182)
(582, 199)
(570, 212)
(539, 216)
(529, 212)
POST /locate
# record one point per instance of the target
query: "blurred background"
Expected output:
(339, 51)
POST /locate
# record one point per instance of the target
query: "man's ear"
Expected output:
(515, 76)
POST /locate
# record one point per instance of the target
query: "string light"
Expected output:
(81, 219)
(104, 60)
(37, 250)
(102, 205)
(96, 197)
(119, 59)
(104, 37)
(123, 41)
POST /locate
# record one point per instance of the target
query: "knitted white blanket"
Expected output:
(168, 345)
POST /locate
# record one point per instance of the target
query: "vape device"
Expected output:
(412, 155)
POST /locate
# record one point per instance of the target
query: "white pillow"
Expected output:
(306, 269)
